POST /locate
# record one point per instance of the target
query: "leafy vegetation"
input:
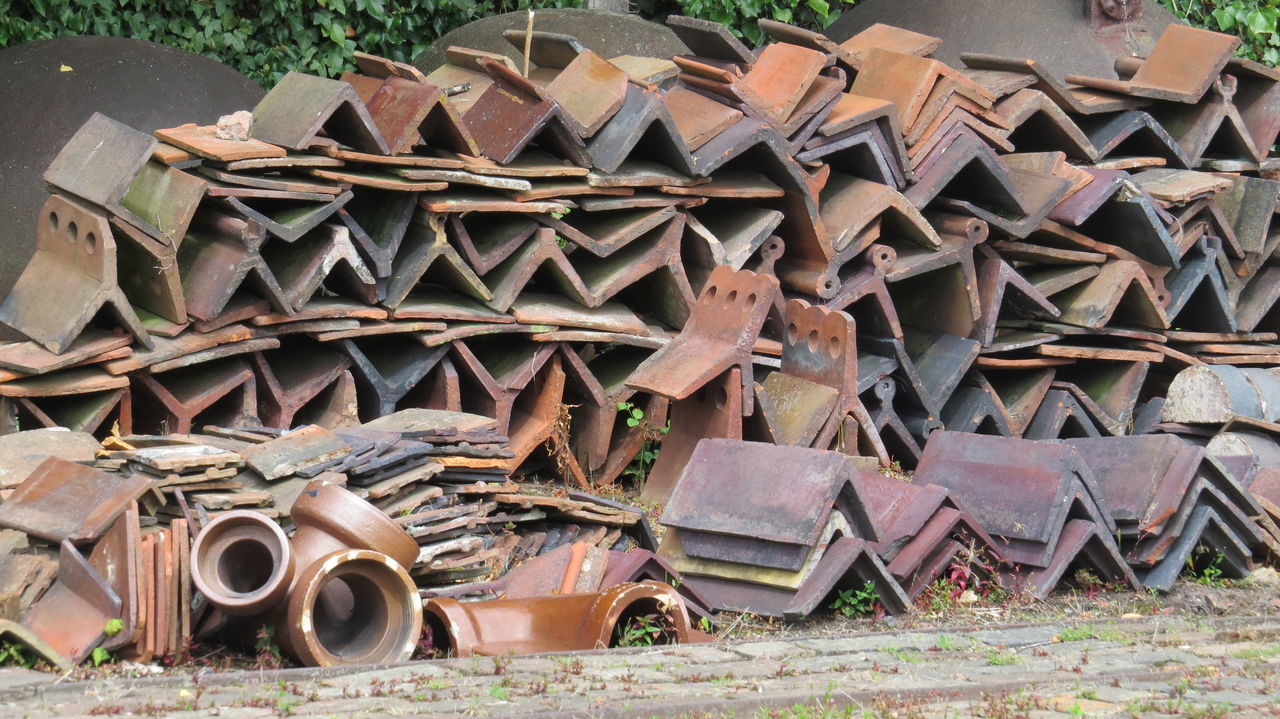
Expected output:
(638, 470)
(266, 38)
(856, 602)
(1253, 20)
(261, 38)
(643, 630)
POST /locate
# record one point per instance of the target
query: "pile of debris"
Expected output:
(187, 541)
(826, 257)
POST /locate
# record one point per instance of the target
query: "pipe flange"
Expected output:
(242, 563)
(353, 606)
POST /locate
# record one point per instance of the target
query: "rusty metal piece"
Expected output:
(1257, 95)
(64, 400)
(299, 106)
(820, 346)
(921, 522)
(75, 259)
(1182, 65)
(378, 221)
(604, 232)
(1108, 391)
(11, 631)
(148, 273)
(865, 151)
(202, 141)
(907, 80)
(1039, 193)
(1132, 221)
(977, 409)
(1198, 295)
(1061, 415)
(1080, 205)
(890, 38)
(62, 500)
(995, 280)
(779, 78)
(851, 205)
(534, 412)
(1143, 477)
(589, 280)
(551, 623)
(71, 616)
(642, 565)
(161, 201)
(715, 410)
(176, 401)
(642, 128)
(513, 112)
(697, 117)
(1204, 528)
(29, 358)
(1021, 393)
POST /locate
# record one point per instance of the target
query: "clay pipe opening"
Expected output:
(353, 606)
(553, 623)
(242, 563)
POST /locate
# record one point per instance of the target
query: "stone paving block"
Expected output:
(631, 674)
(1016, 637)
(831, 663)
(848, 644)
(1234, 698)
(770, 650)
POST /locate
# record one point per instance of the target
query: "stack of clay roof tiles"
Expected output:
(786, 266)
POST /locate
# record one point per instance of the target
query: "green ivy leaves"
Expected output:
(266, 38)
(1255, 21)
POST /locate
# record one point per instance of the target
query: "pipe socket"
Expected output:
(243, 563)
(338, 591)
(553, 623)
(353, 606)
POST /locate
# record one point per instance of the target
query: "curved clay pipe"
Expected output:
(553, 623)
(343, 574)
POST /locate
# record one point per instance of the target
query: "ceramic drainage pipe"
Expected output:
(552, 623)
(343, 572)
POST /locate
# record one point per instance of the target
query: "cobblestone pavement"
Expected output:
(1152, 667)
